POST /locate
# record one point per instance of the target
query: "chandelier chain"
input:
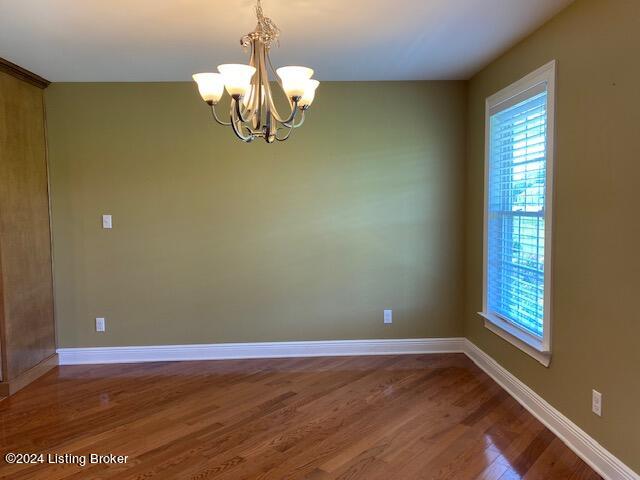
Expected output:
(266, 30)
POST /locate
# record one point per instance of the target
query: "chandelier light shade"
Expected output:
(294, 79)
(309, 93)
(252, 111)
(237, 78)
(210, 86)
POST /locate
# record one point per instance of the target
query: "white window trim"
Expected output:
(540, 349)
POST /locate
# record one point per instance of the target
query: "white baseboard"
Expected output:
(594, 454)
(221, 351)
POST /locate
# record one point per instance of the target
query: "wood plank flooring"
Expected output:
(384, 417)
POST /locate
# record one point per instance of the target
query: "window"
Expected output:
(518, 198)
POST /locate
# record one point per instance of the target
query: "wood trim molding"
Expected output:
(220, 351)
(23, 74)
(13, 385)
(3, 348)
(595, 455)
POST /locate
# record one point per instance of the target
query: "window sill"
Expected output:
(529, 345)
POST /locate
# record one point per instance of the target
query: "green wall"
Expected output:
(219, 241)
(365, 208)
(596, 275)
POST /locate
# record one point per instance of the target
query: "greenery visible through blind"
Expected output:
(516, 207)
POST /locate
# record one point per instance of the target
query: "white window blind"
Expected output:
(517, 175)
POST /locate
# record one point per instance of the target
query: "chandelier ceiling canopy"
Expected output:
(252, 112)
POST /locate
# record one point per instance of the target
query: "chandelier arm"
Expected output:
(292, 115)
(273, 70)
(267, 58)
(270, 127)
(302, 117)
(252, 105)
(257, 87)
(294, 110)
(236, 124)
(286, 136)
(238, 132)
(295, 125)
(262, 67)
(236, 104)
(216, 118)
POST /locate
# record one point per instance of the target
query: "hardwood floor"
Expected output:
(391, 417)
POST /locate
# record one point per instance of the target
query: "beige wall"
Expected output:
(362, 210)
(596, 324)
(218, 241)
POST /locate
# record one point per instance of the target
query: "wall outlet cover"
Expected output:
(100, 326)
(596, 402)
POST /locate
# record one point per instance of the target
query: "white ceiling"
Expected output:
(163, 40)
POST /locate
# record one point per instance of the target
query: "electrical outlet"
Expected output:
(388, 316)
(100, 327)
(106, 221)
(596, 402)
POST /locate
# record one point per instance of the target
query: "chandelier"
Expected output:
(252, 112)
